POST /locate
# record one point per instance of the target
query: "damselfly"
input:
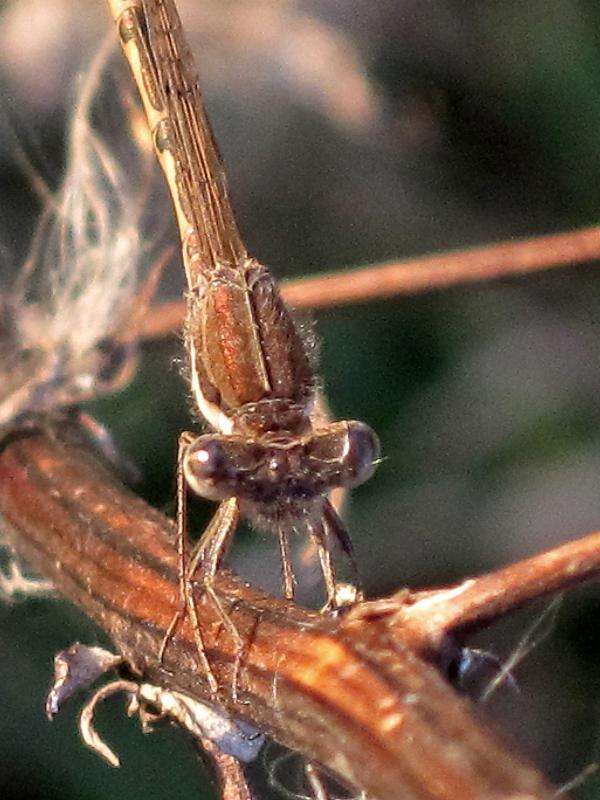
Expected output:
(270, 458)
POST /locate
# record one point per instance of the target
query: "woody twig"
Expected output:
(353, 694)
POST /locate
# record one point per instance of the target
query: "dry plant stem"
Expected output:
(429, 616)
(415, 275)
(354, 698)
(230, 774)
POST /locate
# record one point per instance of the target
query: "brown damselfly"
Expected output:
(270, 457)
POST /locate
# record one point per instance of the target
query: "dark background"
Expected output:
(356, 132)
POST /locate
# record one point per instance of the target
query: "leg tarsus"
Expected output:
(170, 633)
(335, 525)
(242, 651)
(206, 559)
(345, 594)
(204, 662)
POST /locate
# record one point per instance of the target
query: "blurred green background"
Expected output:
(356, 132)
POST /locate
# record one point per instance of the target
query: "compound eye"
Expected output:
(205, 465)
(206, 459)
(343, 454)
(362, 452)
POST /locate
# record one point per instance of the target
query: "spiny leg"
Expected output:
(242, 652)
(336, 527)
(205, 556)
(185, 439)
(319, 536)
(287, 572)
(208, 554)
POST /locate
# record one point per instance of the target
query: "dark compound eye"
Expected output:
(362, 453)
(205, 458)
(343, 454)
(205, 465)
(218, 466)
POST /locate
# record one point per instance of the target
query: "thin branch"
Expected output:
(415, 275)
(354, 698)
(427, 617)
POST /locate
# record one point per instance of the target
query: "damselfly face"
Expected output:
(281, 470)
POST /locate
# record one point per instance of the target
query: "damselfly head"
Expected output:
(290, 469)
